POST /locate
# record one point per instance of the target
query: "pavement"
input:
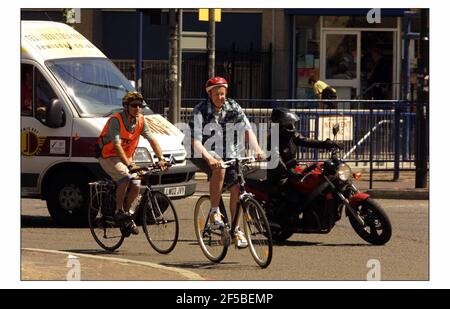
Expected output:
(37, 264)
(52, 265)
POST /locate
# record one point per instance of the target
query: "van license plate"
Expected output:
(175, 191)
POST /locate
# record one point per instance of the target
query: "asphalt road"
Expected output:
(340, 255)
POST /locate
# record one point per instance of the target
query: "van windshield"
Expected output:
(95, 85)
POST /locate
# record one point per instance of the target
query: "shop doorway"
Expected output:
(359, 64)
(341, 61)
(377, 65)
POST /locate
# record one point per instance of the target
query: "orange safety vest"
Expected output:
(129, 140)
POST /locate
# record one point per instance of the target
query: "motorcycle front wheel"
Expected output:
(377, 228)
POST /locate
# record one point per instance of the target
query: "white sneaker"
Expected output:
(239, 239)
(216, 219)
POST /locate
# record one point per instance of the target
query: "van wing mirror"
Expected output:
(55, 114)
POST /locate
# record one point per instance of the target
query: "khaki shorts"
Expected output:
(115, 168)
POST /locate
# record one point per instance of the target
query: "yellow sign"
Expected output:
(203, 15)
(31, 142)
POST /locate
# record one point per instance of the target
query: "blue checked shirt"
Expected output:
(228, 145)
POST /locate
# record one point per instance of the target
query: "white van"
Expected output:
(69, 88)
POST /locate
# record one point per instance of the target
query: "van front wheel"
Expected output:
(67, 200)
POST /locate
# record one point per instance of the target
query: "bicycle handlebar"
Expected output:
(245, 160)
(154, 166)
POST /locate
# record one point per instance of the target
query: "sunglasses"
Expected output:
(134, 105)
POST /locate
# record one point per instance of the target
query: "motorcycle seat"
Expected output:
(258, 179)
(257, 174)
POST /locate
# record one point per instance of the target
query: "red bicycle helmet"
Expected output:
(216, 81)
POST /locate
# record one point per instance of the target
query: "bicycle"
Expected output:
(214, 241)
(159, 219)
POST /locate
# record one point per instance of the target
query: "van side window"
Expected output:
(26, 89)
(44, 94)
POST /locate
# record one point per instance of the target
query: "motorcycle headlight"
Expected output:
(344, 171)
(141, 154)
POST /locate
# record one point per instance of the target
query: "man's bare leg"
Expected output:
(120, 195)
(215, 186)
(133, 193)
(234, 196)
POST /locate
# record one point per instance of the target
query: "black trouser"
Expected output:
(329, 94)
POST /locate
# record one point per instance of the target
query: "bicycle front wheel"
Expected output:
(160, 222)
(101, 222)
(213, 241)
(257, 232)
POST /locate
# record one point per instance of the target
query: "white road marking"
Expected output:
(185, 273)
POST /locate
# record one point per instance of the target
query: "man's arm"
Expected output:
(317, 91)
(200, 149)
(157, 149)
(121, 153)
(250, 136)
(253, 142)
(300, 140)
(146, 133)
(196, 125)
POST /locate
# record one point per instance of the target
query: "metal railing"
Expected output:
(381, 134)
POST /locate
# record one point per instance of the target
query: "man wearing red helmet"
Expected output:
(213, 115)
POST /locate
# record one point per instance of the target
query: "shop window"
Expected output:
(358, 22)
(341, 56)
(307, 54)
(377, 58)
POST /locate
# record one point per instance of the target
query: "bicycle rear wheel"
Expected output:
(257, 232)
(160, 222)
(101, 221)
(214, 241)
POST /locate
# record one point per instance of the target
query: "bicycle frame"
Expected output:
(242, 194)
(153, 205)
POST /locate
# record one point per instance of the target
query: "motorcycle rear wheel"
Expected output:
(377, 229)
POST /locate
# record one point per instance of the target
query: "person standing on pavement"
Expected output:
(119, 139)
(323, 91)
(219, 110)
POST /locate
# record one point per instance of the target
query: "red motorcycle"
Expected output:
(313, 199)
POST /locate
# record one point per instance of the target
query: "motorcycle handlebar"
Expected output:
(310, 168)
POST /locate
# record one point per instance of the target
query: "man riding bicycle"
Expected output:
(214, 114)
(118, 141)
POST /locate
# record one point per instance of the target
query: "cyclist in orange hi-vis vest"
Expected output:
(119, 139)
